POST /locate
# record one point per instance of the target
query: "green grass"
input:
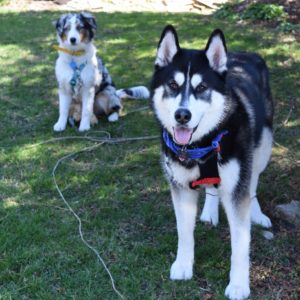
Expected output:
(119, 190)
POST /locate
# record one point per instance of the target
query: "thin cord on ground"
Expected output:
(96, 139)
(100, 142)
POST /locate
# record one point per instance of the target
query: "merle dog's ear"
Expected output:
(168, 46)
(89, 18)
(60, 24)
(216, 51)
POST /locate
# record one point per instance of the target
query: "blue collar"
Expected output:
(193, 154)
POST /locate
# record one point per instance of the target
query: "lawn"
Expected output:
(118, 190)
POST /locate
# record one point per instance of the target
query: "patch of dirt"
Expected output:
(279, 274)
(198, 6)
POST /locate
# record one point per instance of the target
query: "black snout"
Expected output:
(183, 115)
(73, 40)
(116, 108)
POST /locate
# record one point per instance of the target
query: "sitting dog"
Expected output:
(86, 89)
(215, 111)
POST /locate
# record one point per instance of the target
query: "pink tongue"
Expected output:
(183, 135)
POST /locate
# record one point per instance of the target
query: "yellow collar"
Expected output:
(74, 53)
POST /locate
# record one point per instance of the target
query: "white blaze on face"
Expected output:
(182, 135)
(73, 32)
(196, 106)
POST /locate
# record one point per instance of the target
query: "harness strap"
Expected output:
(208, 169)
(76, 74)
(212, 180)
(209, 173)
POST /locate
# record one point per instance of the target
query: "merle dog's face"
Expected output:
(188, 86)
(75, 30)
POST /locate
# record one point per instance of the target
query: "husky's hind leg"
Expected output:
(210, 212)
(257, 216)
(261, 157)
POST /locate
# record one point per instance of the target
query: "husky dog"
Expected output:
(215, 110)
(86, 89)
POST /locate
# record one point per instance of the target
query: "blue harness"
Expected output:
(192, 154)
(76, 80)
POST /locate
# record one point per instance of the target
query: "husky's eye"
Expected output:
(200, 88)
(173, 85)
(79, 27)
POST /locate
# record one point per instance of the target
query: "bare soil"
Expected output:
(198, 6)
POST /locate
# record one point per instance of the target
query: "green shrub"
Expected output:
(287, 27)
(264, 12)
(226, 11)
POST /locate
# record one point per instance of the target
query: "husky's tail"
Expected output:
(137, 92)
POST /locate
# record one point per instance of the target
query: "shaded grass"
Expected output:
(119, 190)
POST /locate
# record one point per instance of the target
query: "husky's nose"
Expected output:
(183, 115)
(73, 40)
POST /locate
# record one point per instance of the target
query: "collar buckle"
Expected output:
(183, 155)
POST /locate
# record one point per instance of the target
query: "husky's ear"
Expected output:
(216, 51)
(168, 46)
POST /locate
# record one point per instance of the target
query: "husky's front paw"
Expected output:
(261, 219)
(181, 271)
(84, 126)
(235, 291)
(59, 126)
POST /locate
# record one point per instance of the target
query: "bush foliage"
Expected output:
(256, 11)
(264, 12)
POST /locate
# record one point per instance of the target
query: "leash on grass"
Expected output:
(100, 141)
(97, 139)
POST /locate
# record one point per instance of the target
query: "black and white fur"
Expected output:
(195, 95)
(95, 93)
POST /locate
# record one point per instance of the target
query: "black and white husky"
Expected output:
(215, 111)
(86, 89)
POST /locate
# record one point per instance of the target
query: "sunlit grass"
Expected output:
(119, 190)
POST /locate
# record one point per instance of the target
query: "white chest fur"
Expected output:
(87, 75)
(178, 174)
